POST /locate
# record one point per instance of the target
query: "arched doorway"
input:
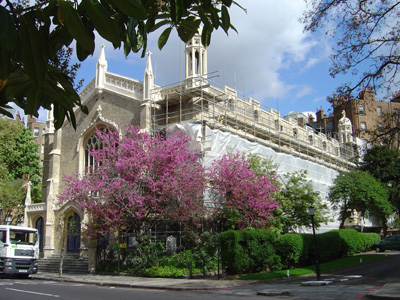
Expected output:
(40, 227)
(74, 233)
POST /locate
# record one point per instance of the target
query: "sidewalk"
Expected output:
(388, 291)
(144, 282)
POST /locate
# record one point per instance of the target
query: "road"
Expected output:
(373, 275)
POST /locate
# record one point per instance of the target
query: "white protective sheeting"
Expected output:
(218, 143)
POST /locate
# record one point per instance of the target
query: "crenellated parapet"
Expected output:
(222, 109)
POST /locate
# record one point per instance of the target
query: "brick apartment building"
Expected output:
(369, 116)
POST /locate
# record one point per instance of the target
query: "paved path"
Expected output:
(388, 291)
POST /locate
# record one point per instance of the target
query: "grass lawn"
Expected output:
(328, 266)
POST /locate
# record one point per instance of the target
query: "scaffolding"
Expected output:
(197, 100)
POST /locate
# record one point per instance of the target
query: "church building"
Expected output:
(215, 118)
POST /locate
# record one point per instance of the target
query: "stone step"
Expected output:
(72, 264)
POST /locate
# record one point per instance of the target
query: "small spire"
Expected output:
(149, 68)
(148, 78)
(101, 69)
(102, 57)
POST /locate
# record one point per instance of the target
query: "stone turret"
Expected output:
(195, 61)
(345, 130)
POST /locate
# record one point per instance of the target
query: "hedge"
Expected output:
(366, 240)
(290, 249)
(248, 251)
(258, 250)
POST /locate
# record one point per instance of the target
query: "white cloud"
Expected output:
(319, 99)
(304, 91)
(270, 39)
(264, 59)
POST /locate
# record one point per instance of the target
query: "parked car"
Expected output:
(391, 242)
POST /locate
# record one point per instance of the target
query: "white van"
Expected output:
(19, 250)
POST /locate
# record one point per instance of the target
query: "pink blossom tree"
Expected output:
(247, 196)
(137, 180)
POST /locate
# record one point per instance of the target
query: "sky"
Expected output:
(270, 59)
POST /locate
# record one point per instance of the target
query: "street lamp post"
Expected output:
(311, 212)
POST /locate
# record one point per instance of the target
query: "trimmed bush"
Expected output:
(349, 240)
(248, 251)
(366, 240)
(261, 250)
(233, 254)
(290, 249)
(329, 246)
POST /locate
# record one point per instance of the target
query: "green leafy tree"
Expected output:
(360, 192)
(18, 151)
(262, 165)
(295, 197)
(367, 39)
(383, 164)
(19, 158)
(32, 34)
(12, 196)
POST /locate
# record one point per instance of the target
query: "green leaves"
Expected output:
(359, 191)
(188, 28)
(226, 20)
(102, 21)
(8, 32)
(75, 26)
(31, 38)
(162, 40)
(133, 8)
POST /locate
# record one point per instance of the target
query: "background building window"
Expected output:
(363, 127)
(379, 111)
(361, 109)
(36, 131)
(277, 125)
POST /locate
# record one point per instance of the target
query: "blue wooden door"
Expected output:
(74, 233)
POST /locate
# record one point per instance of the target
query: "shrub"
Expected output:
(289, 247)
(179, 260)
(349, 239)
(261, 250)
(366, 240)
(248, 251)
(328, 246)
(307, 257)
(205, 253)
(168, 271)
(147, 255)
(233, 253)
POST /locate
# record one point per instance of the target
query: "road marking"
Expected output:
(360, 294)
(30, 292)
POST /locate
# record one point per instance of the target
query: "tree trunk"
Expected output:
(342, 220)
(61, 262)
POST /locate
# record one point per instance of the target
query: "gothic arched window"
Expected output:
(94, 142)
